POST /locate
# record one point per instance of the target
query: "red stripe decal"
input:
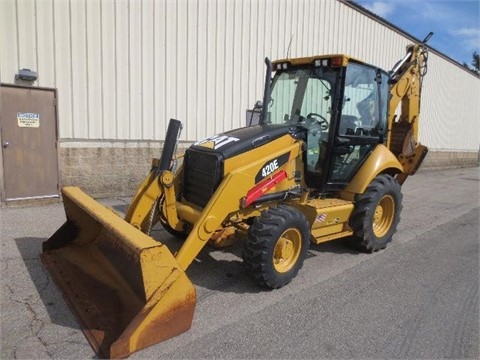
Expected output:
(262, 187)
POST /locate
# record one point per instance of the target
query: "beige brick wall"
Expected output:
(118, 169)
(450, 159)
(104, 171)
(108, 170)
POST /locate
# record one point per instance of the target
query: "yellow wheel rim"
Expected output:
(287, 250)
(383, 216)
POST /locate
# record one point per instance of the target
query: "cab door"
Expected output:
(362, 123)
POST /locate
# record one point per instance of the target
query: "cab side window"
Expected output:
(362, 113)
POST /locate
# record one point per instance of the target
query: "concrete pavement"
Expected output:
(416, 299)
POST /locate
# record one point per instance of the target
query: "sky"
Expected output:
(455, 23)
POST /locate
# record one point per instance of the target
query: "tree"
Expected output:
(475, 64)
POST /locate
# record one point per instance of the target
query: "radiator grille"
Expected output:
(202, 174)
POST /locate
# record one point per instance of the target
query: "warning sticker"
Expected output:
(31, 120)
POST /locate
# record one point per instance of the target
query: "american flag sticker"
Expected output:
(321, 217)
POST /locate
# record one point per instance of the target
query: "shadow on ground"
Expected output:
(348, 245)
(223, 270)
(30, 249)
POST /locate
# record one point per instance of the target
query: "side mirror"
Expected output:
(253, 116)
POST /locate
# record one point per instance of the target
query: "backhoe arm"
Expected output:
(405, 90)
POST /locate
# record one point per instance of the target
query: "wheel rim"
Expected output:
(383, 216)
(287, 250)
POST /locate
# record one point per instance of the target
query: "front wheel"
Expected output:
(276, 246)
(377, 212)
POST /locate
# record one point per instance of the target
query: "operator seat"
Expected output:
(348, 124)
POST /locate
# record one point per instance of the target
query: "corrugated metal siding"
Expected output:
(123, 68)
(450, 108)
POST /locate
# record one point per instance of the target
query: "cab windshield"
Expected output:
(302, 93)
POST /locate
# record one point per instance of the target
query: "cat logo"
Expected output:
(216, 142)
(207, 144)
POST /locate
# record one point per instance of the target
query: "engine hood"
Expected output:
(238, 141)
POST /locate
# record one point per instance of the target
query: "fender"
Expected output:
(380, 159)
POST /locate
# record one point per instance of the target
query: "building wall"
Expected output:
(123, 68)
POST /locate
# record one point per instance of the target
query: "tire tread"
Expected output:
(360, 220)
(262, 235)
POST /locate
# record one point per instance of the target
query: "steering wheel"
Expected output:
(319, 119)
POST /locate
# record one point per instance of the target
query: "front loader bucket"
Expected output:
(126, 288)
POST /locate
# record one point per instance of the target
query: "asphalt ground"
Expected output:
(418, 299)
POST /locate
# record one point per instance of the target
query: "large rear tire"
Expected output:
(276, 246)
(377, 212)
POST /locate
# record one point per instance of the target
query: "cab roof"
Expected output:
(335, 59)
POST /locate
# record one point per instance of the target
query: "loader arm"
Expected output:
(139, 214)
(142, 210)
(158, 183)
(225, 201)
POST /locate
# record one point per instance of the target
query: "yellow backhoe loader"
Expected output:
(335, 141)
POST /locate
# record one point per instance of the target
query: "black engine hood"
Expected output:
(238, 141)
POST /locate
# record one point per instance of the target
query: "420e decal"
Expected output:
(270, 166)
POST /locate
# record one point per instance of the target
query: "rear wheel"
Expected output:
(276, 246)
(377, 213)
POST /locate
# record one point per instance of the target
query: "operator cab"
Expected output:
(340, 104)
